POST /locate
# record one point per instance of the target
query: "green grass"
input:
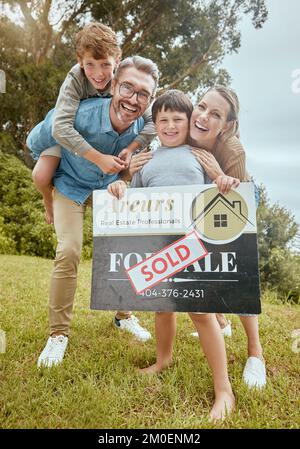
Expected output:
(98, 386)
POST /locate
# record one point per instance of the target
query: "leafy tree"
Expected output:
(23, 229)
(187, 38)
(31, 89)
(279, 266)
(276, 226)
(21, 210)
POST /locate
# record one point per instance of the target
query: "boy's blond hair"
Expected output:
(99, 40)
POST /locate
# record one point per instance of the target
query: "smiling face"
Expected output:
(124, 111)
(209, 119)
(99, 72)
(172, 127)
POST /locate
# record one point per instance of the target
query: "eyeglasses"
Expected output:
(127, 91)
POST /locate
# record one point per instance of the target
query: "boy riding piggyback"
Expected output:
(98, 54)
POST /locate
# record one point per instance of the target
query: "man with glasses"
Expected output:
(109, 124)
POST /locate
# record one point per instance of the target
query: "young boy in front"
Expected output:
(98, 54)
(174, 164)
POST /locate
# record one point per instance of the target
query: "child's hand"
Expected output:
(225, 183)
(117, 188)
(139, 160)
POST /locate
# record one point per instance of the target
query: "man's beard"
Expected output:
(121, 118)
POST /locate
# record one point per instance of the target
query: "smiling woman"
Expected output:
(214, 127)
(211, 119)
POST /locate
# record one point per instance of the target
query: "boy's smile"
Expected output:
(99, 72)
(172, 127)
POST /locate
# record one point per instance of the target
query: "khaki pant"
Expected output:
(68, 223)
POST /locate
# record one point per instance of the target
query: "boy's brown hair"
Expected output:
(99, 40)
(172, 100)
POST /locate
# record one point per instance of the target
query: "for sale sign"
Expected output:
(186, 248)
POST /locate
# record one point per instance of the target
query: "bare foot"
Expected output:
(154, 369)
(49, 212)
(224, 404)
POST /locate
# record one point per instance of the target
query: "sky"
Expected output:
(266, 76)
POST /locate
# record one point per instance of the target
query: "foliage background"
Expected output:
(188, 39)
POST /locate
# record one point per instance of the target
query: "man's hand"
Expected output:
(111, 164)
(117, 188)
(125, 155)
(107, 163)
(139, 160)
(208, 162)
(225, 183)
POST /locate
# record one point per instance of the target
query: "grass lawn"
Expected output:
(98, 386)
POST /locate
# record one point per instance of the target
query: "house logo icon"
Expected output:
(219, 218)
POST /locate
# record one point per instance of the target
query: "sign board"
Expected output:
(179, 248)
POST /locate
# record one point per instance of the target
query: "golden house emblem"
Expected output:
(219, 218)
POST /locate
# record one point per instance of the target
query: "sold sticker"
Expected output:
(166, 262)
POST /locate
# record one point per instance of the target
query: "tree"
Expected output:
(23, 229)
(277, 229)
(187, 38)
(276, 226)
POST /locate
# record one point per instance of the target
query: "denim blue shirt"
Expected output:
(76, 177)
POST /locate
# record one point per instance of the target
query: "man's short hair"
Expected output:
(172, 100)
(99, 40)
(140, 63)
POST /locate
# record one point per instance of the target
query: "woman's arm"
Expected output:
(224, 182)
(232, 158)
(208, 162)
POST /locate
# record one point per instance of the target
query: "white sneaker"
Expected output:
(254, 373)
(226, 331)
(54, 351)
(132, 325)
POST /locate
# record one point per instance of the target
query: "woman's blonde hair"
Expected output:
(233, 116)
